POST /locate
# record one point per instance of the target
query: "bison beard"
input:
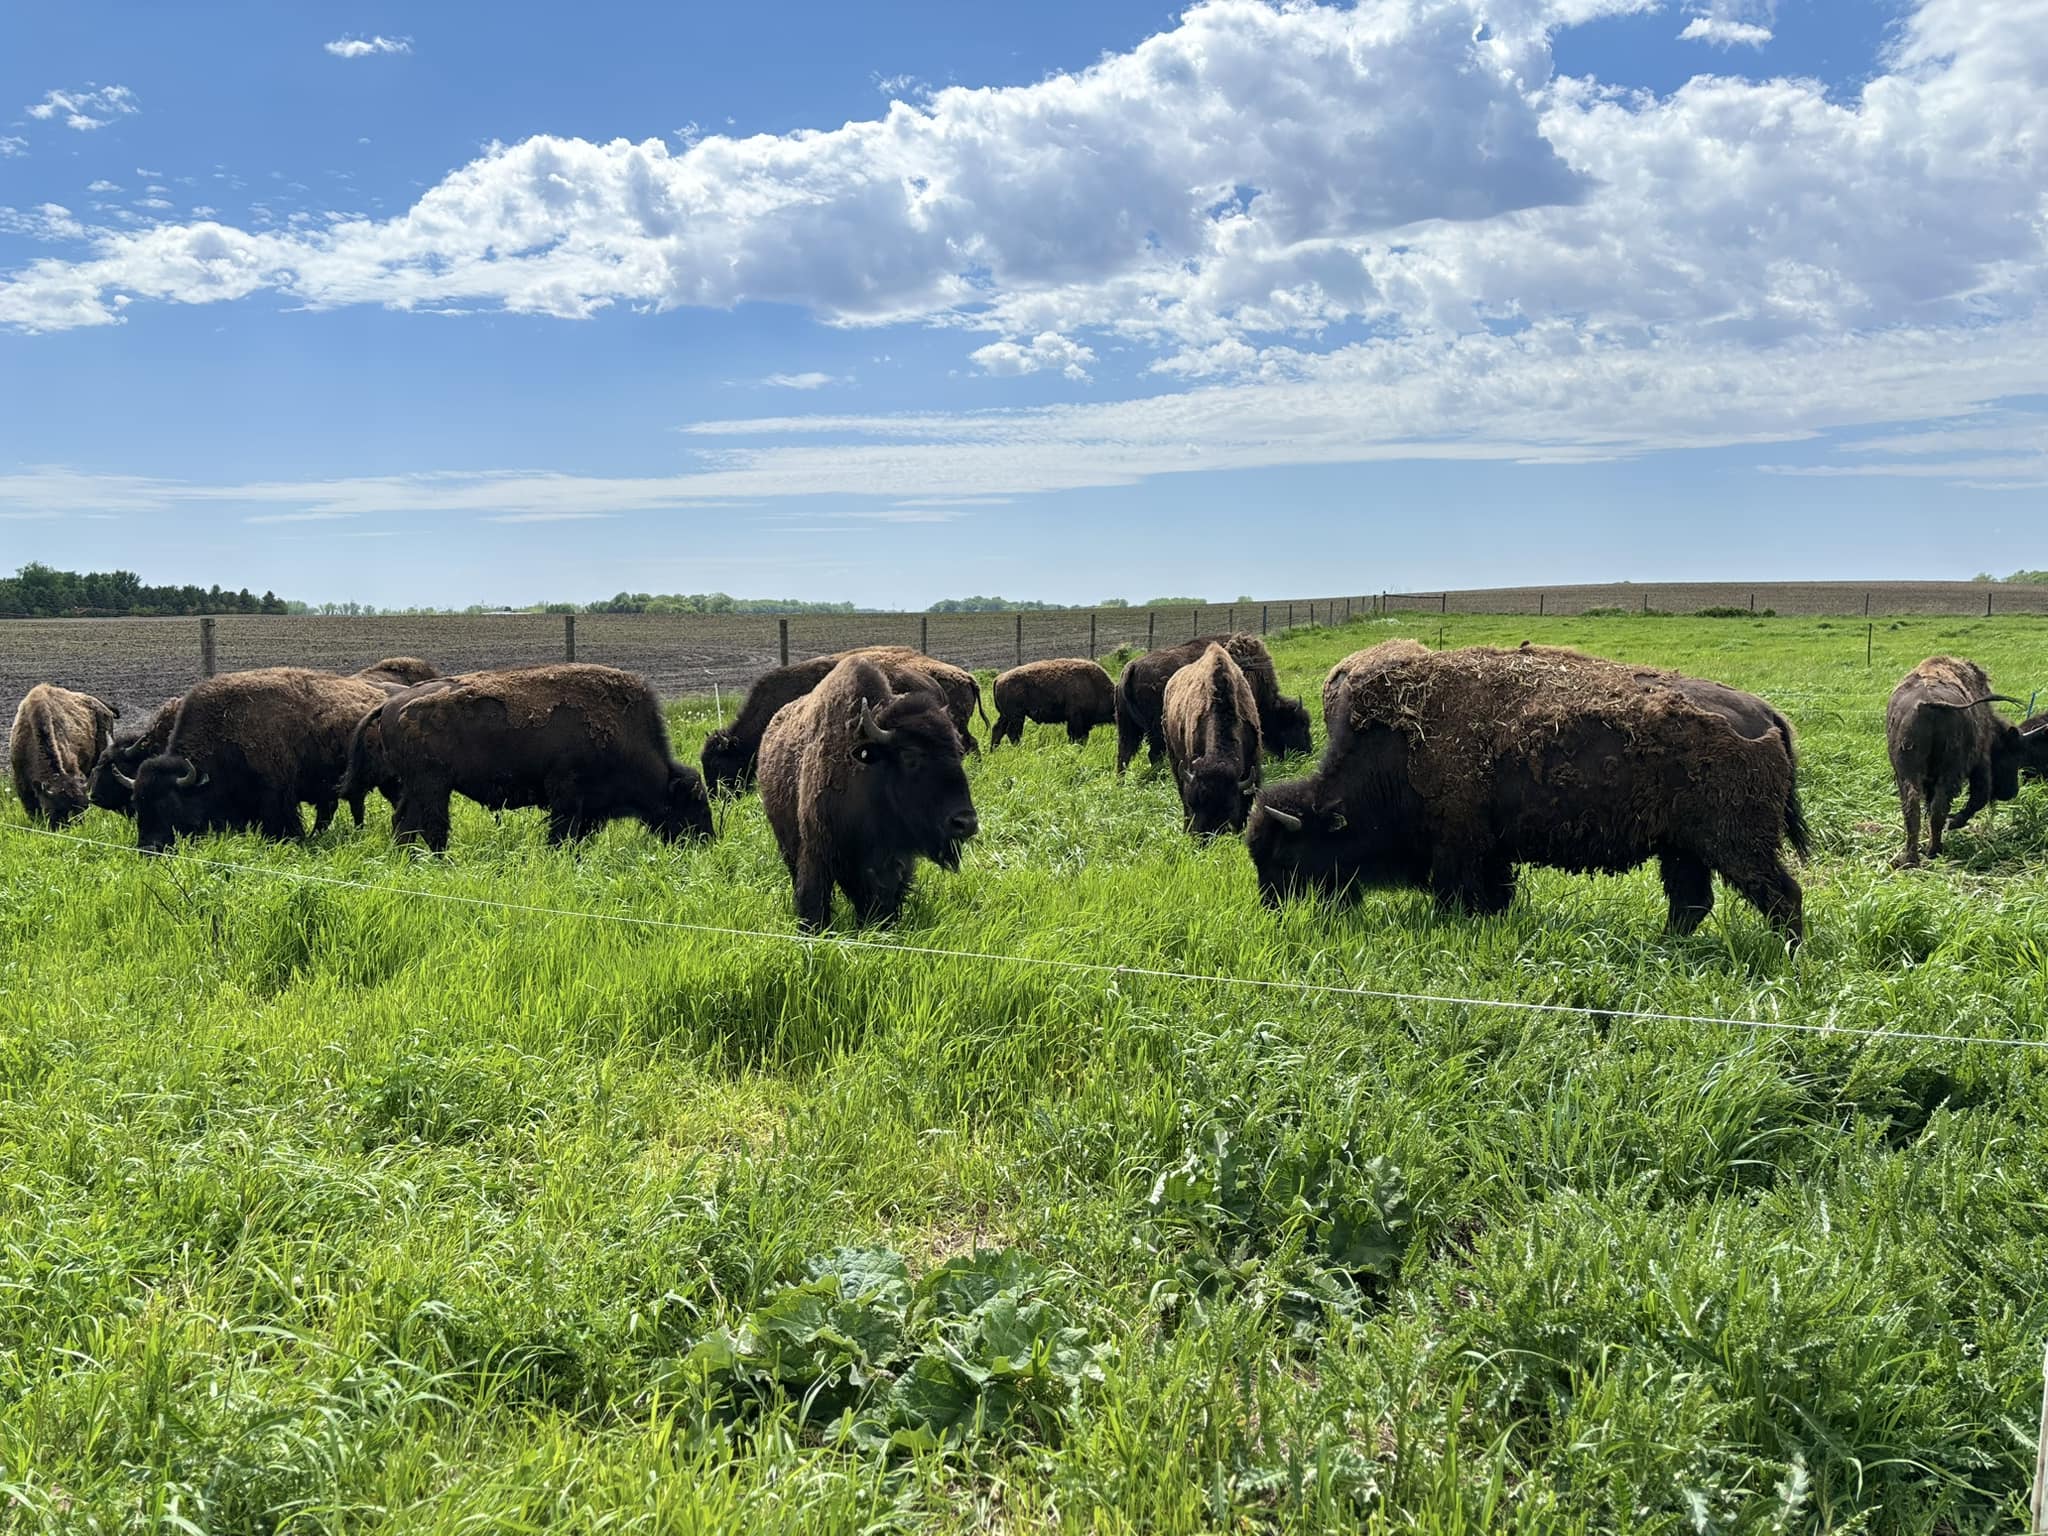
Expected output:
(1069, 691)
(731, 754)
(1211, 726)
(1141, 697)
(859, 781)
(1459, 766)
(586, 743)
(58, 737)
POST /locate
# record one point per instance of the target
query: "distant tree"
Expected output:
(41, 591)
(989, 605)
(1114, 602)
(1181, 602)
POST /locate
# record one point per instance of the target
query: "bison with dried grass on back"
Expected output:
(1943, 734)
(1337, 681)
(245, 749)
(1460, 765)
(1141, 697)
(586, 743)
(1068, 690)
(396, 672)
(731, 754)
(57, 739)
(861, 779)
(1211, 724)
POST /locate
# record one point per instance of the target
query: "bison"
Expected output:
(58, 737)
(1141, 696)
(860, 778)
(369, 768)
(1337, 681)
(587, 743)
(396, 672)
(1211, 724)
(1071, 691)
(112, 785)
(1457, 766)
(245, 749)
(730, 754)
(1943, 734)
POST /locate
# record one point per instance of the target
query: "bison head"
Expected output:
(1286, 728)
(727, 763)
(907, 793)
(2034, 748)
(688, 812)
(2017, 751)
(1300, 847)
(173, 798)
(1215, 798)
(65, 797)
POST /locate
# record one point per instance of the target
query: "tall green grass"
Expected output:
(339, 1209)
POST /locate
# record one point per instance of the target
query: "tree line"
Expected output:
(42, 592)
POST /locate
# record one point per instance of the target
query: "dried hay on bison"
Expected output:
(57, 739)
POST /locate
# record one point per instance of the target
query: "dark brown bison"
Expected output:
(1459, 765)
(368, 766)
(1943, 735)
(396, 672)
(730, 754)
(245, 750)
(58, 736)
(1141, 696)
(586, 743)
(860, 779)
(1211, 724)
(1071, 691)
(112, 785)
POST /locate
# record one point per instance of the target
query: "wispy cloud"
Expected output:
(364, 47)
(298, 517)
(549, 517)
(800, 380)
(1723, 32)
(12, 145)
(95, 106)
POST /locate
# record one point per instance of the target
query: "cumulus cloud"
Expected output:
(1725, 32)
(366, 47)
(1048, 349)
(800, 380)
(95, 106)
(103, 186)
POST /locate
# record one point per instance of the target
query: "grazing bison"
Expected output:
(1070, 691)
(860, 779)
(58, 736)
(112, 785)
(586, 743)
(245, 750)
(396, 672)
(1141, 696)
(729, 755)
(1943, 734)
(1337, 682)
(1459, 765)
(1211, 723)
(368, 766)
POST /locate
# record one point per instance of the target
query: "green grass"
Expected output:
(331, 1209)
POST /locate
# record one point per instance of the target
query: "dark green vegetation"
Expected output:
(333, 1209)
(43, 592)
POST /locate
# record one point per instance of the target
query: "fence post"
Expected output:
(1290, 618)
(1020, 639)
(1347, 610)
(1231, 627)
(2037, 1505)
(1987, 602)
(1869, 634)
(1265, 618)
(1752, 602)
(1866, 604)
(1150, 618)
(1646, 602)
(1195, 623)
(1443, 602)
(206, 647)
(782, 639)
(1091, 636)
(568, 637)
(1383, 600)
(924, 634)
(1539, 605)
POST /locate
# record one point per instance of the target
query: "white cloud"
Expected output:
(298, 517)
(147, 175)
(1724, 32)
(1048, 349)
(103, 186)
(800, 380)
(93, 107)
(365, 47)
(12, 144)
(550, 517)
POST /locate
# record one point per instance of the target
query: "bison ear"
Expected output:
(1337, 821)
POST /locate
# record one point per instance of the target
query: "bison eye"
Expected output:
(863, 754)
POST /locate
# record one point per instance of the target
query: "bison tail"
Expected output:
(355, 776)
(978, 710)
(1796, 830)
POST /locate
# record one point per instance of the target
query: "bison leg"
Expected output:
(1980, 796)
(1129, 733)
(1689, 887)
(1909, 803)
(279, 818)
(813, 881)
(1469, 881)
(1937, 818)
(422, 816)
(355, 809)
(1007, 727)
(323, 815)
(1078, 732)
(1769, 887)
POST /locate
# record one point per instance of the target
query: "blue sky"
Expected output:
(464, 303)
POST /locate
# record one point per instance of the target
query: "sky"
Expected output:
(465, 303)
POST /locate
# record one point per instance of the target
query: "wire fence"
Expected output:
(1105, 968)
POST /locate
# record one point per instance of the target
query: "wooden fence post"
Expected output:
(1150, 618)
(2037, 1506)
(1869, 635)
(1443, 602)
(568, 637)
(1987, 602)
(1539, 605)
(1866, 604)
(1231, 627)
(206, 647)
(1195, 622)
(782, 639)
(1020, 639)
(1290, 618)
(1265, 618)
(1091, 635)
(924, 634)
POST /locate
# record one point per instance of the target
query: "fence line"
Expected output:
(816, 941)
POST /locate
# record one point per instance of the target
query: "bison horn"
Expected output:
(126, 782)
(1989, 698)
(1247, 784)
(190, 776)
(869, 730)
(1286, 819)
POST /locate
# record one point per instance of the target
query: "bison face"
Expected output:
(64, 796)
(2032, 748)
(689, 807)
(1286, 732)
(726, 763)
(1214, 799)
(908, 792)
(173, 798)
(1301, 848)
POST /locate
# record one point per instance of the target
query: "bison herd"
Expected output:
(1441, 770)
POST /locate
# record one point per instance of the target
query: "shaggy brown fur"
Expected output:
(1211, 724)
(112, 785)
(58, 736)
(1336, 683)
(1459, 765)
(396, 672)
(860, 779)
(246, 749)
(1943, 733)
(1141, 696)
(730, 754)
(1071, 691)
(587, 743)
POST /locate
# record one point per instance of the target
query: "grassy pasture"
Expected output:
(335, 1209)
